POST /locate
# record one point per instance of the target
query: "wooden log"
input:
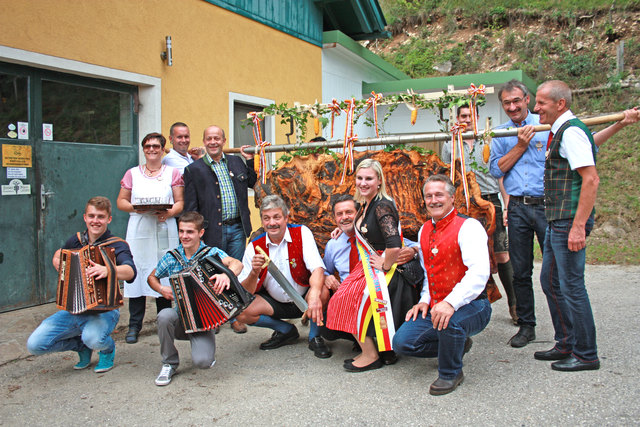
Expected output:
(420, 137)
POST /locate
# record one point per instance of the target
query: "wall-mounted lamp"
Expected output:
(167, 54)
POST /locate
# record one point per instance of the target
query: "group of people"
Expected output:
(386, 294)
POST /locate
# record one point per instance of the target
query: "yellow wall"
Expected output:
(214, 52)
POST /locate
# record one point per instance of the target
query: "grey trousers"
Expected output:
(203, 344)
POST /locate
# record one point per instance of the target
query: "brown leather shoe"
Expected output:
(238, 327)
(440, 386)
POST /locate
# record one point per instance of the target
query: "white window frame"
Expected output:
(269, 123)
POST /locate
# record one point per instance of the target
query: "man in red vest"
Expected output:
(453, 305)
(292, 248)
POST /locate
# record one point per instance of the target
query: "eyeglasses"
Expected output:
(513, 101)
(152, 147)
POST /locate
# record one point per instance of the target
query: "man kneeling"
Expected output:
(293, 250)
(170, 327)
(90, 330)
(453, 304)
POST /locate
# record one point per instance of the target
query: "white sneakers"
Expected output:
(164, 378)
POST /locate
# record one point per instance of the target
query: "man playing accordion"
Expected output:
(90, 330)
(170, 327)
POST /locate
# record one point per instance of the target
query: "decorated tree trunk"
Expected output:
(309, 184)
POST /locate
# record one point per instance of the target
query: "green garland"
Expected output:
(300, 115)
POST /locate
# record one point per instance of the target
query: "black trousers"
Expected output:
(137, 308)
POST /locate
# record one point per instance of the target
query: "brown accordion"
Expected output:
(199, 307)
(78, 293)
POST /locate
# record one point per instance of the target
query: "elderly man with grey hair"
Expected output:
(293, 250)
(453, 304)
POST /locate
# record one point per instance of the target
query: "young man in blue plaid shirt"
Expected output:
(203, 344)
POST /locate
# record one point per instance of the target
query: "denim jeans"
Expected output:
(525, 222)
(418, 338)
(64, 331)
(562, 279)
(233, 240)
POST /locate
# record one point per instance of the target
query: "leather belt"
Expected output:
(232, 221)
(528, 200)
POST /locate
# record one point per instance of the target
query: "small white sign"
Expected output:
(15, 188)
(47, 132)
(20, 173)
(23, 130)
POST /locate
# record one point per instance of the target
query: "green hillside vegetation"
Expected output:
(570, 40)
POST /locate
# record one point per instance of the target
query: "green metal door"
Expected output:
(83, 134)
(18, 237)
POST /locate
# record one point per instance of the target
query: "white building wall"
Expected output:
(343, 73)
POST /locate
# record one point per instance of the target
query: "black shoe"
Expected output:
(571, 364)
(440, 386)
(319, 348)
(525, 334)
(467, 345)
(552, 354)
(278, 339)
(132, 336)
(388, 357)
(376, 364)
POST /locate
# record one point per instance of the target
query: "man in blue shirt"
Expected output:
(170, 327)
(341, 256)
(520, 161)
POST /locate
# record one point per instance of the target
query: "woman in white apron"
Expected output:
(150, 232)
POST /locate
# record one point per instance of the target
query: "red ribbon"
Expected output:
(456, 143)
(348, 155)
(257, 137)
(335, 109)
(349, 137)
(474, 92)
(373, 102)
(263, 161)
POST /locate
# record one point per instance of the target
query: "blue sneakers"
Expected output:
(105, 363)
(85, 358)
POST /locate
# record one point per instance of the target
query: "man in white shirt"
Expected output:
(453, 305)
(179, 156)
(570, 187)
(292, 248)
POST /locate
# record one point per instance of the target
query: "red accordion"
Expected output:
(78, 293)
(199, 307)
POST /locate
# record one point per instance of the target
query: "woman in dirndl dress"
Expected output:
(150, 233)
(372, 301)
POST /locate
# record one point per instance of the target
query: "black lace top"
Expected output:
(380, 224)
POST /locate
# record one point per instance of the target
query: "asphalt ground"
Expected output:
(289, 386)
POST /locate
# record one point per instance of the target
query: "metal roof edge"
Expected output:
(271, 24)
(440, 83)
(356, 48)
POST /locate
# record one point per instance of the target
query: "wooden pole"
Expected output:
(420, 137)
